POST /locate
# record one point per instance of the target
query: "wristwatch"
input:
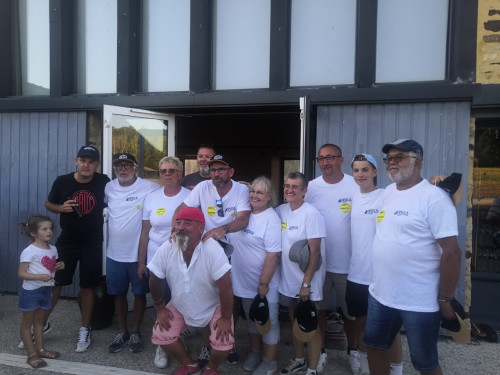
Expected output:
(306, 285)
(226, 228)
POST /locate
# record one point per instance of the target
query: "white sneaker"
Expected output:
(322, 362)
(353, 359)
(47, 328)
(84, 340)
(161, 359)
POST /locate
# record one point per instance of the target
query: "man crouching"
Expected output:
(202, 294)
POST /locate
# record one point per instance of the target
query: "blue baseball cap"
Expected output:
(364, 157)
(405, 145)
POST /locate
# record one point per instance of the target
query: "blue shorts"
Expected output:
(30, 300)
(273, 336)
(120, 274)
(422, 331)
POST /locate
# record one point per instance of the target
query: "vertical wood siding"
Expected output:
(441, 128)
(34, 149)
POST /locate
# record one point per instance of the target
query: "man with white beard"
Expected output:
(198, 274)
(416, 263)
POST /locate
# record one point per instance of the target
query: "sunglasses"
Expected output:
(397, 159)
(360, 158)
(220, 211)
(168, 171)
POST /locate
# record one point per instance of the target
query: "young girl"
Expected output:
(37, 269)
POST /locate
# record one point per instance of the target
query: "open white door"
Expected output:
(147, 135)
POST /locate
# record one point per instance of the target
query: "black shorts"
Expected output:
(356, 298)
(90, 258)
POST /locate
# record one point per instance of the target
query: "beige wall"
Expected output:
(488, 42)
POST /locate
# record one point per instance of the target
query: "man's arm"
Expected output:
(449, 272)
(163, 315)
(223, 325)
(241, 222)
(65, 208)
(143, 249)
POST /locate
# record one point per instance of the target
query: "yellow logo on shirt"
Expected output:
(139, 206)
(160, 212)
(211, 210)
(283, 225)
(380, 216)
(345, 207)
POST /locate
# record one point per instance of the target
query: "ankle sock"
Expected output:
(397, 368)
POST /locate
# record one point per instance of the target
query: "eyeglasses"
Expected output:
(220, 211)
(168, 171)
(257, 192)
(322, 159)
(220, 170)
(125, 166)
(397, 159)
(293, 187)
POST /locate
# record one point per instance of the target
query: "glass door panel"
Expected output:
(147, 135)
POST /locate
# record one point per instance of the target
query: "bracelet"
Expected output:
(444, 299)
(263, 284)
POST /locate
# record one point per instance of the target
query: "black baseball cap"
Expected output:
(259, 313)
(305, 326)
(89, 151)
(124, 157)
(224, 159)
(404, 145)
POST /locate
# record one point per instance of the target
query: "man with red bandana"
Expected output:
(79, 199)
(198, 274)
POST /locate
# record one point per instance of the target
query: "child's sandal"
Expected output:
(44, 353)
(35, 361)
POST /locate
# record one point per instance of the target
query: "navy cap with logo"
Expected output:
(124, 157)
(259, 313)
(406, 145)
(89, 151)
(221, 159)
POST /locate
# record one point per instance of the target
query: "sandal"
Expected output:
(44, 353)
(35, 361)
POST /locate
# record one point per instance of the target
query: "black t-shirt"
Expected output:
(90, 197)
(193, 179)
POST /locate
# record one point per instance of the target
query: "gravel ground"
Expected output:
(476, 358)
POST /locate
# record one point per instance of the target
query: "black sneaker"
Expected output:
(119, 342)
(232, 357)
(135, 342)
(204, 356)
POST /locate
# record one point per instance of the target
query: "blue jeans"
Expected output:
(422, 330)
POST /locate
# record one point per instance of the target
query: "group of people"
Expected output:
(391, 256)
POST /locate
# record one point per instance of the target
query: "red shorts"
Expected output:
(177, 325)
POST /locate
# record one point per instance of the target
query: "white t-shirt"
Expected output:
(334, 202)
(251, 245)
(406, 255)
(41, 261)
(365, 208)
(159, 209)
(194, 289)
(125, 217)
(205, 196)
(303, 223)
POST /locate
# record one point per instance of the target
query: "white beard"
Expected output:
(205, 171)
(181, 241)
(403, 173)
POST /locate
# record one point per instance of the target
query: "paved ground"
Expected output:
(482, 358)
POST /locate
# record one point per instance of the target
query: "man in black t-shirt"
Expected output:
(79, 199)
(205, 153)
